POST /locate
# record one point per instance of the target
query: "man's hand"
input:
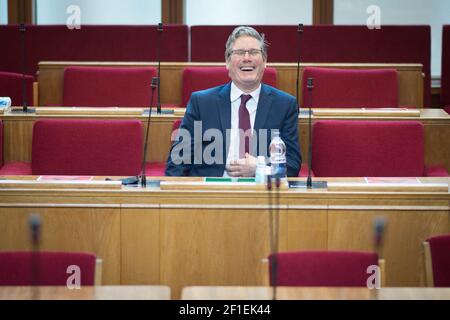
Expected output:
(245, 167)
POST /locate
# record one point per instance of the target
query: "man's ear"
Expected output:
(227, 64)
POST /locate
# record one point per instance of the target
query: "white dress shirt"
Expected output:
(235, 98)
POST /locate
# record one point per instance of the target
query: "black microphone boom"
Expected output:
(160, 31)
(35, 223)
(299, 33)
(155, 83)
(143, 178)
(22, 31)
(309, 183)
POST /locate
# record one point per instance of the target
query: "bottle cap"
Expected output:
(261, 160)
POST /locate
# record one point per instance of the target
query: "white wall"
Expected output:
(431, 12)
(100, 11)
(200, 12)
(3, 11)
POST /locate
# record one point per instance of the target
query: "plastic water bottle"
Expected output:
(260, 174)
(277, 151)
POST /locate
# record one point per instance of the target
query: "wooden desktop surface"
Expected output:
(219, 237)
(86, 293)
(50, 78)
(313, 293)
(18, 130)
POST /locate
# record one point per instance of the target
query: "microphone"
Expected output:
(379, 228)
(35, 229)
(22, 31)
(35, 223)
(158, 54)
(142, 180)
(310, 184)
(155, 83)
(273, 234)
(299, 33)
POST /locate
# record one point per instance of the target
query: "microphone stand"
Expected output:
(22, 30)
(310, 184)
(273, 235)
(158, 54)
(155, 82)
(35, 228)
(299, 33)
(143, 179)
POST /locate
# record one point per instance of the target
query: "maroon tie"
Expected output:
(244, 124)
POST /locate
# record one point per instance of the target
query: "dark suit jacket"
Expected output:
(276, 110)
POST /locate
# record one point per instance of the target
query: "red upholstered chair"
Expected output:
(47, 268)
(437, 261)
(108, 86)
(11, 86)
(1, 143)
(200, 78)
(87, 147)
(348, 148)
(351, 88)
(322, 268)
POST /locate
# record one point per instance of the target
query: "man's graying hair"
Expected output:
(249, 32)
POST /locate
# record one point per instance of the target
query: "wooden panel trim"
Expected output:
(16, 10)
(172, 11)
(323, 11)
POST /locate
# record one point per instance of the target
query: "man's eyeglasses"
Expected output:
(242, 52)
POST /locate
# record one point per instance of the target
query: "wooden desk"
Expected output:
(218, 237)
(313, 293)
(86, 293)
(50, 78)
(18, 128)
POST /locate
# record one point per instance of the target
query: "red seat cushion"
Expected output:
(11, 86)
(440, 255)
(351, 88)
(347, 148)
(155, 169)
(201, 78)
(108, 86)
(322, 268)
(16, 169)
(18, 268)
(87, 147)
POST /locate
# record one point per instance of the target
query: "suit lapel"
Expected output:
(264, 104)
(224, 106)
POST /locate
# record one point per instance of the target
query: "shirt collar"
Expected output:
(236, 93)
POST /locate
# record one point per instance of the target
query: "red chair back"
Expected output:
(201, 78)
(351, 88)
(1, 144)
(440, 256)
(44, 268)
(347, 148)
(11, 86)
(87, 147)
(108, 86)
(322, 268)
